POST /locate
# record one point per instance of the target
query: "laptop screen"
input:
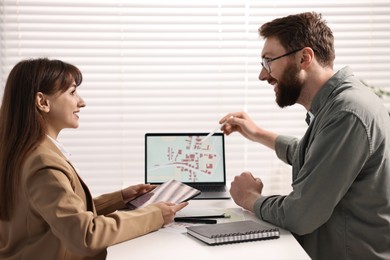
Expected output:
(184, 157)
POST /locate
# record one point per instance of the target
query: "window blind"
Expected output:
(179, 66)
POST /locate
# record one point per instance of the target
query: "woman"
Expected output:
(46, 210)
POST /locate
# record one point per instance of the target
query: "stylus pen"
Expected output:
(196, 220)
(215, 130)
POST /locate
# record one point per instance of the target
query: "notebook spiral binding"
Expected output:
(249, 236)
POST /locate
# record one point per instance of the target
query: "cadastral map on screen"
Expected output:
(185, 158)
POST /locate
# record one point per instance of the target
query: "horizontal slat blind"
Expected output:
(179, 66)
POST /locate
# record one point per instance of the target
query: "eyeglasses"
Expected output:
(265, 62)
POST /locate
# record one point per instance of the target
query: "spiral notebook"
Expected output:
(232, 232)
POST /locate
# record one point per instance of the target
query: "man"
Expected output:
(339, 207)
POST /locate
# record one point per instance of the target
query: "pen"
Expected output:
(215, 130)
(196, 220)
(224, 215)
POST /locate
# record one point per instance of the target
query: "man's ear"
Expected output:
(42, 103)
(307, 57)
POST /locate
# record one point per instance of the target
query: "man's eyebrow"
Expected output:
(264, 55)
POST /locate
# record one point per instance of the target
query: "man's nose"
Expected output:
(263, 74)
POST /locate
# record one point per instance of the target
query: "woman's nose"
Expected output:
(82, 102)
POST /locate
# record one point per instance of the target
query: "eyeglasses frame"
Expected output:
(266, 61)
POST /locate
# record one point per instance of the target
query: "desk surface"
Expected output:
(172, 242)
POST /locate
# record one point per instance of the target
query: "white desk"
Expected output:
(172, 242)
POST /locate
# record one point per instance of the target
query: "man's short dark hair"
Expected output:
(303, 30)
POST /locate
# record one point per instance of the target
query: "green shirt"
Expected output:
(340, 204)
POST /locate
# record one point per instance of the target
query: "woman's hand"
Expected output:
(168, 210)
(134, 191)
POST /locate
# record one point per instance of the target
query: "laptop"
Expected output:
(184, 157)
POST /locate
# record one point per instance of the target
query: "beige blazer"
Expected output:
(56, 217)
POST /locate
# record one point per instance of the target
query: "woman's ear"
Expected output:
(42, 103)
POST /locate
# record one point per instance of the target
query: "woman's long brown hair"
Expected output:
(22, 128)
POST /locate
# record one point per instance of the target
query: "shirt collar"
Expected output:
(309, 117)
(328, 90)
(62, 148)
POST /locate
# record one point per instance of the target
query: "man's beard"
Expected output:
(289, 87)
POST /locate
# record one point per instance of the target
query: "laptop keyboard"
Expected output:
(211, 188)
